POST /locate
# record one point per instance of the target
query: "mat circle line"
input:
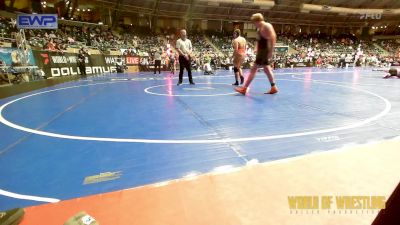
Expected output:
(3, 120)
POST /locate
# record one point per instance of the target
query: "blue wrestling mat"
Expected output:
(119, 131)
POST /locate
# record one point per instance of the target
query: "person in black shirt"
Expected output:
(81, 61)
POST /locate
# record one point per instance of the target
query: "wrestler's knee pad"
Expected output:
(235, 69)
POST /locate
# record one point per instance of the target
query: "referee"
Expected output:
(157, 61)
(184, 48)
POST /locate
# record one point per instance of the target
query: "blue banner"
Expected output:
(13, 56)
(37, 21)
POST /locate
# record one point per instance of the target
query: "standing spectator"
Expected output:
(81, 61)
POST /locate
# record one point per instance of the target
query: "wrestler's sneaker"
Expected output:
(241, 80)
(241, 90)
(273, 90)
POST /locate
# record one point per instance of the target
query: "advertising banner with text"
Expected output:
(56, 64)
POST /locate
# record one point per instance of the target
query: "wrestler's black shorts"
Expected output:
(262, 57)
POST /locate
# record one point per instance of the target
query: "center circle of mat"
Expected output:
(189, 90)
(363, 122)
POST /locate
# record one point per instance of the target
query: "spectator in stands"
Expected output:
(51, 46)
(60, 47)
(52, 35)
(319, 62)
(71, 41)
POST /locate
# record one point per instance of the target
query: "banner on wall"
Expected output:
(14, 56)
(55, 64)
(127, 60)
(37, 21)
(147, 64)
(132, 60)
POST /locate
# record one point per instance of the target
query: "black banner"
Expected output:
(56, 64)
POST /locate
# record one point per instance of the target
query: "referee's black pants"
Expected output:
(82, 69)
(157, 63)
(184, 64)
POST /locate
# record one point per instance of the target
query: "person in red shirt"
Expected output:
(51, 46)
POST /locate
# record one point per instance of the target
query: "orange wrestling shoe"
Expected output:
(241, 90)
(273, 90)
